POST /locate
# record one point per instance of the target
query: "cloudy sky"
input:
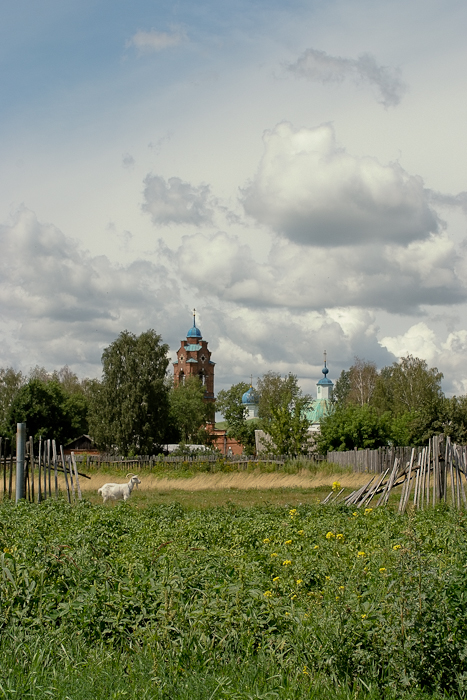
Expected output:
(296, 172)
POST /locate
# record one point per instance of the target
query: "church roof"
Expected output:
(249, 397)
(324, 381)
(193, 348)
(194, 332)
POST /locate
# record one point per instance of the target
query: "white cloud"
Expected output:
(319, 66)
(62, 306)
(154, 41)
(395, 278)
(449, 355)
(174, 201)
(312, 191)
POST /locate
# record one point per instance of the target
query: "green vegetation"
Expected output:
(240, 603)
(403, 404)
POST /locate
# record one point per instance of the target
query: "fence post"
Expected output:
(20, 450)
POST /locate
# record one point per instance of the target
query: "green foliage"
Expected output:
(232, 603)
(409, 385)
(10, 383)
(48, 411)
(341, 389)
(282, 407)
(188, 410)
(352, 427)
(130, 406)
(229, 403)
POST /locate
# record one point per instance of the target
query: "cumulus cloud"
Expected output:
(153, 41)
(320, 67)
(62, 306)
(447, 354)
(175, 201)
(312, 191)
(394, 278)
(452, 201)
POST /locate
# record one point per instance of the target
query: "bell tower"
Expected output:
(194, 360)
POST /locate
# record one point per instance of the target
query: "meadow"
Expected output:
(273, 598)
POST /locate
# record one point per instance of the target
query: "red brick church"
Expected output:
(194, 360)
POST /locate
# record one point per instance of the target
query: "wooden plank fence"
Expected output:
(436, 474)
(373, 461)
(43, 465)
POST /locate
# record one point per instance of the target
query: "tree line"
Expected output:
(133, 409)
(402, 404)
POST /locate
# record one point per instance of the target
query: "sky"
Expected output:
(294, 171)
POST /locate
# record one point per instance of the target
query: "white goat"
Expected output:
(118, 492)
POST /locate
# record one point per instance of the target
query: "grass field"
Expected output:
(270, 596)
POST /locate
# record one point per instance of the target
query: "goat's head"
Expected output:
(135, 481)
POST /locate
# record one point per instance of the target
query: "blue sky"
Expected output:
(296, 172)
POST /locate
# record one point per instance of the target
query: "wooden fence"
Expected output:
(43, 467)
(373, 461)
(436, 473)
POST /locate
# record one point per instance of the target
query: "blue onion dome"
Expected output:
(325, 380)
(249, 397)
(194, 332)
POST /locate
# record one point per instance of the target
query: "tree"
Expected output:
(48, 411)
(352, 426)
(282, 407)
(363, 376)
(10, 383)
(229, 403)
(188, 410)
(130, 406)
(341, 388)
(408, 385)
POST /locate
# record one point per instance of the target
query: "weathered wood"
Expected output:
(55, 460)
(76, 475)
(66, 477)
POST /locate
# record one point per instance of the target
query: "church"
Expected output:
(194, 360)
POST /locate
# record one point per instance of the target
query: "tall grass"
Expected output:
(265, 602)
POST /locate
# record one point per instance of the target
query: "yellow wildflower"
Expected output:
(268, 594)
(382, 570)
(328, 578)
(355, 514)
(299, 581)
(316, 546)
(288, 542)
(335, 486)
(286, 614)
(274, 554)
(361, 554)
(293, 511)
(305, 671)
(266, 540)
(276, 578)
(293, 596)
(286, 562)
(367, 511)
(397, 546)
(363, 617)
(300, 532)
(330, 535)
(340, 536)
(341, 588)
